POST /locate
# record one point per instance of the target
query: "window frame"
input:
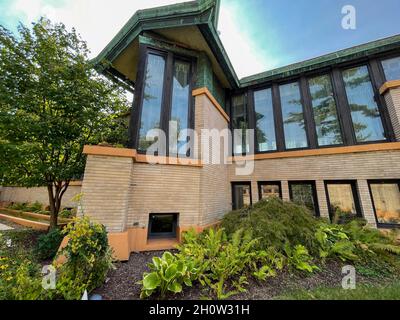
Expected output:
(382, 181)
(303, 101)
(339, 118)
(163, 235)
(273, 183)
(356, 196)
(379, 102)
(314, 191)
(240, 183)
(376, 75)
(387, 56)
(252, 113)
(166, 105)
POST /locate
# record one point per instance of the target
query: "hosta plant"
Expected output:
(168, 274)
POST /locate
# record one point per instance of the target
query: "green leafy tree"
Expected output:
(52, 103)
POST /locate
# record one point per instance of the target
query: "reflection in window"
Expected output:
(293, 117)
(364, 110)
(341, 201)
(241, 196)
(391, 67)
(180, 102)
(324, 110)
(265, 125)
(386, 197)
(240, 121)
(304, 193)
(152, 99)
(268, 190)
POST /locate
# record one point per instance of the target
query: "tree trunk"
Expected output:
(56, 193)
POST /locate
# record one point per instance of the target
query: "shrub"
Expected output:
(88, 258)
(35, 207)
(276, 222)
(67, 214)
(18, 206)
(48, 244)
(168, 273)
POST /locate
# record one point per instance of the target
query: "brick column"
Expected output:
(285, 191)
(366, 202)
(322, 200)
(106, 190)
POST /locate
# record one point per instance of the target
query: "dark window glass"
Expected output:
(293, 117)
(162, 225)
(268, 190)
(325, 112)
(386, 197)
(304, 193)
(365, 114)
(180, 103)
(240, 122)
(265, 125)
(342, 201)
(391, 68)
(241, 196)
(152, 98)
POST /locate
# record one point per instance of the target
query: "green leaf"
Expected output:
(175, 287)
(171, 272)
(151, 281)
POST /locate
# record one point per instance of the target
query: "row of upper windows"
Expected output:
(289, 114)
(309, 111)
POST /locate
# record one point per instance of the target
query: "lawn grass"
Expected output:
(362, 292)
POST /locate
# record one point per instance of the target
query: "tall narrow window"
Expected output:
(386, 198)
(265, 125)
(305, 194)
(241, 195)
(343, 200)
(180, 105)
(365, 114)
(391, 67)
(325, 112)
(240, 122)
(152, 99)
(293, 116)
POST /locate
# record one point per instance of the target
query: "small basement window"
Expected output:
(163, 225)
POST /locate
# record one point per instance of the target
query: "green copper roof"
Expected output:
(330, 59)
(203, 13)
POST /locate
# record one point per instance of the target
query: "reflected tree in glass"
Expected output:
(365, 114)
(293, 116)
(325, 111)
(265, 125)
(152, 99)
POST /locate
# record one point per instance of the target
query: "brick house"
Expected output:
(326, 132)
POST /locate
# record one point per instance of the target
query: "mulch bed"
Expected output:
(122, 282)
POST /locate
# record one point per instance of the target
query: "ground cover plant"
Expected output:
(257, 243)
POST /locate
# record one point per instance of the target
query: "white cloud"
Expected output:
(98, 21)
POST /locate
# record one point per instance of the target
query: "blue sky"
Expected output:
(258, 34)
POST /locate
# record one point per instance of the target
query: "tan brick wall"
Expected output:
(30, 195)
(164, 189)
(357, 166)
(214, 181)
(106, 190)
(392, 98)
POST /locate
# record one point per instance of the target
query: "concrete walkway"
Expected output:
(3, 227)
